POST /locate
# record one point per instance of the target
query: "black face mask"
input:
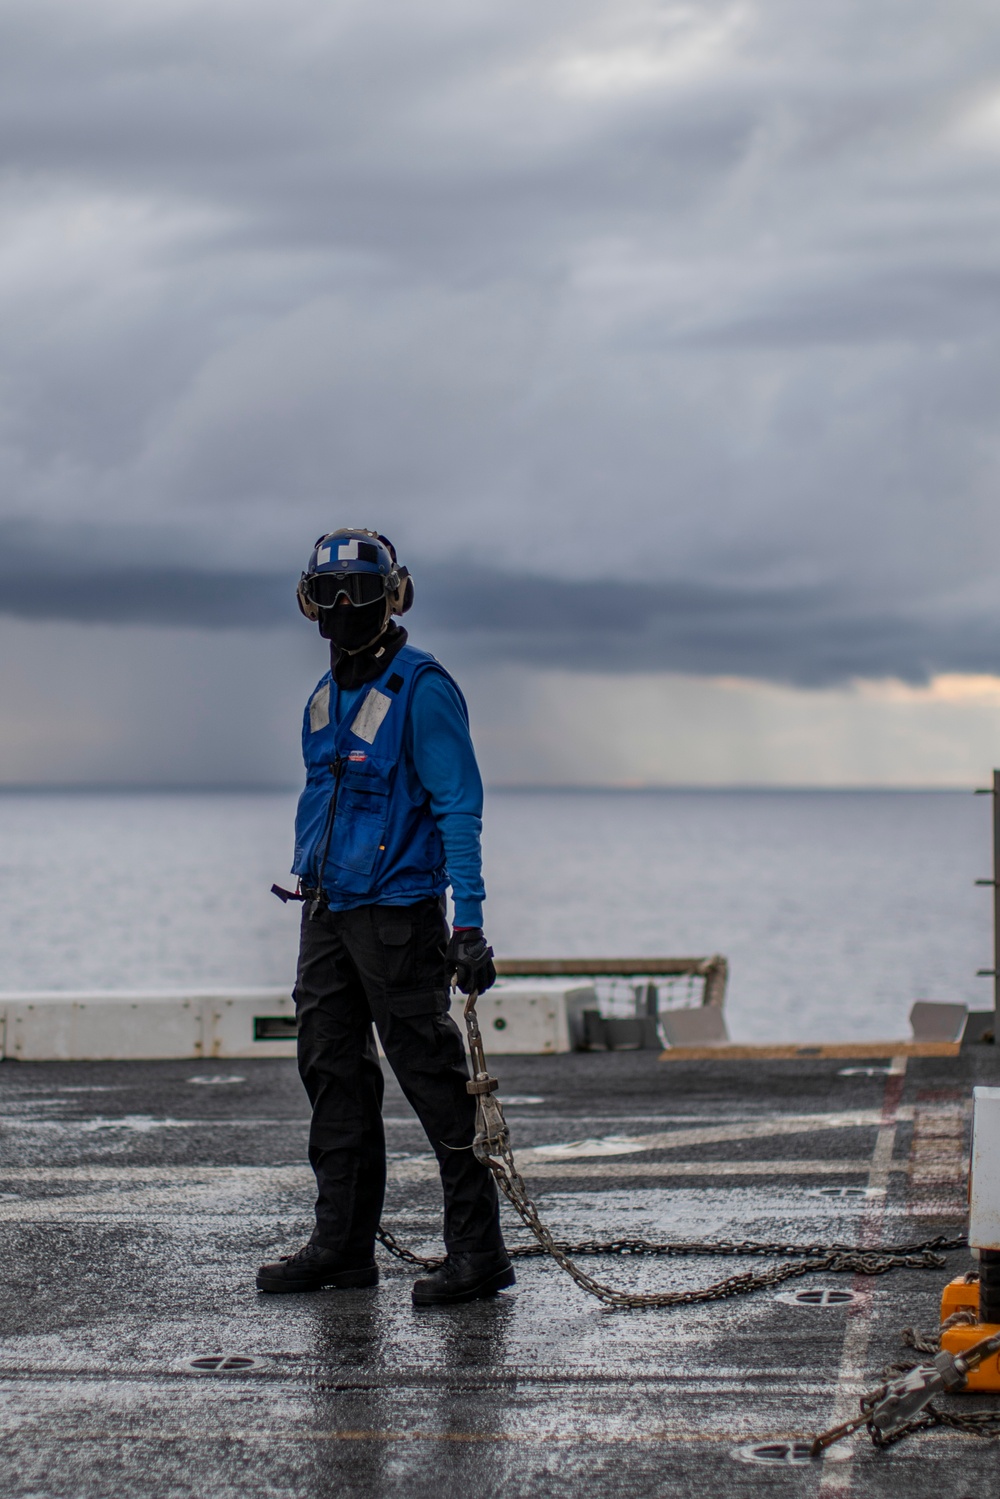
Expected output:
(365, 666)
(352, 626)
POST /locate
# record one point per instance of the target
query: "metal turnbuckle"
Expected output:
(482, 1082)
(492, 1136)
(903, 1405)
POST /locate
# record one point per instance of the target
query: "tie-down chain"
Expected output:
(491, 1145)
(894, 1410)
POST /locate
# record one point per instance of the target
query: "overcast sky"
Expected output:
(661, 338)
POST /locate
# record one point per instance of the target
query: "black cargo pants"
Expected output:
(387, 964)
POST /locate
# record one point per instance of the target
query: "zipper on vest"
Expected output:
(319, 902)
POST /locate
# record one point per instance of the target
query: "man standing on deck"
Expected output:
(390, 815)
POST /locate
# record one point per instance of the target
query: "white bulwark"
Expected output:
(532, 1017)
(102, 1027)
(536, 1008)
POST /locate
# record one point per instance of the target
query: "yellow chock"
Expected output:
(962, 1295)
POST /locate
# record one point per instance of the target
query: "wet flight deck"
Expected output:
(137, 1359)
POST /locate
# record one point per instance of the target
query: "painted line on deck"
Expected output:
(179, 1197)
(298, 1176)
(617, 1145)
(837, 1481)
(767, 1383)
(724, 1134)
(141, 1124)
(106, 1172)
(426, 1170)
(274, 1437)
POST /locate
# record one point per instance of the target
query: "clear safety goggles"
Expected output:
(324, 589)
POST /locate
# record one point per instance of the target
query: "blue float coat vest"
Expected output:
(364, 829)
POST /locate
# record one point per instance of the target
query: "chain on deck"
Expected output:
(984, 1423)
(492, 1147)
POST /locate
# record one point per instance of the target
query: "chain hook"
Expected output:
(492, 1136)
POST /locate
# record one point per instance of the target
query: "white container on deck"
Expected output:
(984, 1188)
(257, 1024)
(102, 1027)
(533, 1017)
(88, 1027)
(530, 1017)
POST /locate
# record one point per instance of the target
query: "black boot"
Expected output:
(312, 1268)
(465, 1277)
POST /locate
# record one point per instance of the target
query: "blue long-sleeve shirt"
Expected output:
(440, 756)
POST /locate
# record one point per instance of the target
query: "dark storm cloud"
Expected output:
(657, 335)
(803, 635)
(150, 596)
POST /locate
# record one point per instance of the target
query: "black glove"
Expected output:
(470, 960)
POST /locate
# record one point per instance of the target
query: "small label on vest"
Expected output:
(370, 715)
(319, 708)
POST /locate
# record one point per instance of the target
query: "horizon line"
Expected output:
(14, 788)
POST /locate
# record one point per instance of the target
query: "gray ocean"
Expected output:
(835, 909)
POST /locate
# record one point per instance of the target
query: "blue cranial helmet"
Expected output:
(351, 551)
(358, 564)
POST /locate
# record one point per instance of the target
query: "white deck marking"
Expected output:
(939, 1167)
(421, 1169)
(207, 1189)
(851, 1375)
(103, 1172)
(755, 1129)
(196, 1190)
(142, 1124)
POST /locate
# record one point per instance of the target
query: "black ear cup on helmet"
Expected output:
(402, 594)
(305, 603)
(402, 599)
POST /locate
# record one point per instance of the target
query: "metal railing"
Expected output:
(714, 970)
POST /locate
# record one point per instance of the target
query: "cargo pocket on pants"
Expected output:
(419, 1002)
(407, 990)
